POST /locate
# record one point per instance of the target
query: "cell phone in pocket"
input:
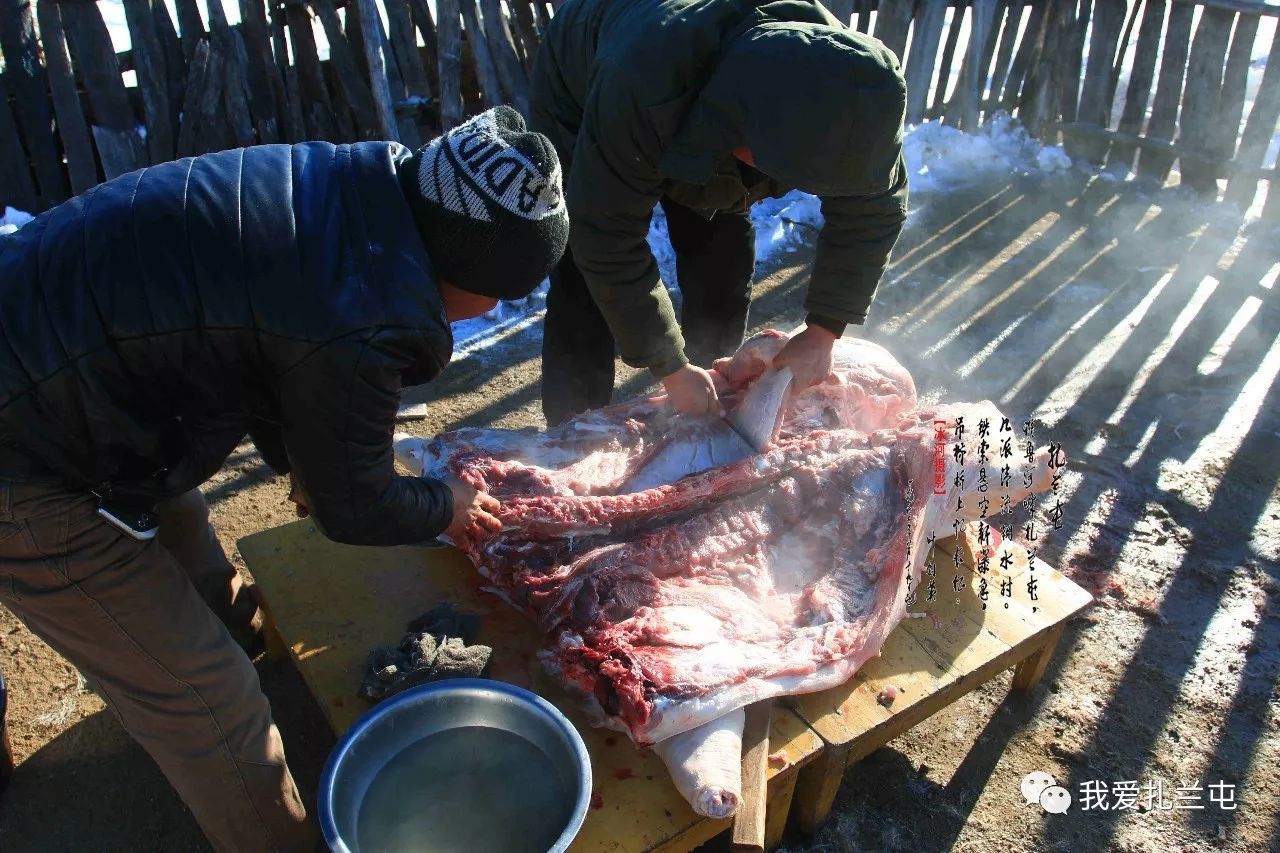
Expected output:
(137, 521)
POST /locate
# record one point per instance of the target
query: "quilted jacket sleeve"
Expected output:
(339, 410)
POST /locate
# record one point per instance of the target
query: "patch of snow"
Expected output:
(13, 219)
(508, 318)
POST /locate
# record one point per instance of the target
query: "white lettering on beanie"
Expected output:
(473, 165)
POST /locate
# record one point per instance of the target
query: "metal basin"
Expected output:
(467, 764)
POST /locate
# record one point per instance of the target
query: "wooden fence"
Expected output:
(75, 112)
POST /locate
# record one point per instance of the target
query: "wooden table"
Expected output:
(328, 605)
(933, 661)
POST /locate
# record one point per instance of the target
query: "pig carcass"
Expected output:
(677, 583)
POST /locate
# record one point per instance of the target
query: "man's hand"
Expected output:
(692, 391)
(808, 354)
(473, 511)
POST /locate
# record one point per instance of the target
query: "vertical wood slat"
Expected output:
(190, 26)
(404, 45)
(449, 57)
(318, 111)
(1073, 58)
(374, 51)
(175, 62)
(1235, 80)
(422, 19)
(17, 186)
(342, 63)
(1043, 90)
(973, 70)
(1164, 107)
(948, 54)
(26, 80)
(526, 31)
(293, 127)
(67, 109)
(1004, 53)
(1024, 57)
(502, 50)
(486, 69)
(353, 30)
(1201, 96)
(893, 19)
(235, 89)
(1095, 107)
(153, 78)
(1258, 131)
(1117, 67)
(197, 78)
(1140, 78)
(266, 88)
(114, 124)
(923, 56)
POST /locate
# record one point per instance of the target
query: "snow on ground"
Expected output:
(13, 219)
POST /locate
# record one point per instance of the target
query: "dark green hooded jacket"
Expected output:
(649, 97)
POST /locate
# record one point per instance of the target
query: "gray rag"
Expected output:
(438, 645)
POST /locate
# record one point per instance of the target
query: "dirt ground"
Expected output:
(1143, 331)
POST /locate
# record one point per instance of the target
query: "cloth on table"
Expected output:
(438, 644)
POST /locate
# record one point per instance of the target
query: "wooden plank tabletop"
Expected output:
(333, 603)
(958, 645)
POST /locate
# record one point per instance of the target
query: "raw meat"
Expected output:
(669, 607)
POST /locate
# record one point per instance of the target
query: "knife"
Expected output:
(756, 418)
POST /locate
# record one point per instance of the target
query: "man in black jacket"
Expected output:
(707, 106)
(284, 292)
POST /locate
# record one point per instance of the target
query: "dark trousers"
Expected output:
(715, 261)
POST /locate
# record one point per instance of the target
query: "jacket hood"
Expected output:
(820, 107)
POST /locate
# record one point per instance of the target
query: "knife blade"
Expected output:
(756, 417)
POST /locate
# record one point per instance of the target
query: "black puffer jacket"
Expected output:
(278, 291)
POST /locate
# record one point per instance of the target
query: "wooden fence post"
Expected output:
(892, 22)
(190, 25)
(26, 78)
(1004, 53)
(1140, 79)
(1164, 107)
(973, 71)
(1201, 96)
(937, 105)
(449, 57)
(266, 87)
(923, 56)
(66, 100)
(153, 78)
(373, 49)
(17, 187)
(1095, 106)
(313, 92)
(486, 69)
(1024, 58)
(1258, 131)
(114, 128)
(503, 50)
(175, 62)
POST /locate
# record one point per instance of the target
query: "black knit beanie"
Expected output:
(488, 202)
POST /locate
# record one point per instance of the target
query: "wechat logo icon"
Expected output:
(1040, 787)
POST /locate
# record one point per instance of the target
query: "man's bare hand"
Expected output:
(692, 391)
(808, 354)
(474, 511)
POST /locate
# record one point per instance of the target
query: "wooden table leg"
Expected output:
(273, 643)
(1027, 674)
(782, 789)
(816, 787)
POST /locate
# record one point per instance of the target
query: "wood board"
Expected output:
(331, 604)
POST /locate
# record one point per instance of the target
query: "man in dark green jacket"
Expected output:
(707, 106)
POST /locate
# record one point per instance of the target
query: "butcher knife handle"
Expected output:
(749, 823)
